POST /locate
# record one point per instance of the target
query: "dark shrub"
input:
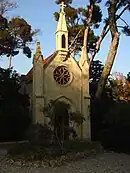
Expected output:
(39, 134)
(13, 126)
(14, 107)
(117, 135)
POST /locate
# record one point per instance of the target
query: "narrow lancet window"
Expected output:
(63, 41)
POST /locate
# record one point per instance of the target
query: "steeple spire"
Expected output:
(62, 26)
(62, 31)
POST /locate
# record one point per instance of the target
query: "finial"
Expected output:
(38, 55)
(62, 6)
(38, 48)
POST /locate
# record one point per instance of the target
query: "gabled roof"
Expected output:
(29, 75)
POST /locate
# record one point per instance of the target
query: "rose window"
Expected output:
(61, 75)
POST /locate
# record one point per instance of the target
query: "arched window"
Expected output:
(63, 41)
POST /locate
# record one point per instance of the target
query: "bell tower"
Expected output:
(62, 32)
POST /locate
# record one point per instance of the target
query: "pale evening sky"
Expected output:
(39, 13)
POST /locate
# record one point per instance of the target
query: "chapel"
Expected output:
(59, 77)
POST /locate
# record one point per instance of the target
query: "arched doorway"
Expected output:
(61, 120)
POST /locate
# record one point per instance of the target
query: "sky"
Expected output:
(39, 14)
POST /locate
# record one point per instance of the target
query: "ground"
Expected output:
(102, 163)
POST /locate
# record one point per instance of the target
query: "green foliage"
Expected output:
(95, 74)
(39, 134)
(65, 1)
(58, 107)
(116, 135)
(76, 118)
(98, 107)
(62, 121)
(116, 9)
(96, 16)
(128, 77)
(15, 34)
(110, 117)
(50, 156)
(14, 107)
(119, 5)
(118, 115)
(96, 71)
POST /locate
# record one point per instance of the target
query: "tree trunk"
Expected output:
(86, 32)
(113, 48)
(85, 52)
(104, 32)
(10, 61)
(108, 66)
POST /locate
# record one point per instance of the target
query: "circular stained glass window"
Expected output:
(61, 75)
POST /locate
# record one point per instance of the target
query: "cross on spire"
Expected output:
(62, 6)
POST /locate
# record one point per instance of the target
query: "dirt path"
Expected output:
(103, 163)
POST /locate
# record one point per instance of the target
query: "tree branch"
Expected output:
(102, 36)
(86, 32)
(121, 27)
(75, 38)
(124, 21)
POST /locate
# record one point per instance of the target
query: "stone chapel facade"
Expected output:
(59, 77)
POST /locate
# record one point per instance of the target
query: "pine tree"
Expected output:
(15, 33)
(116, 8)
